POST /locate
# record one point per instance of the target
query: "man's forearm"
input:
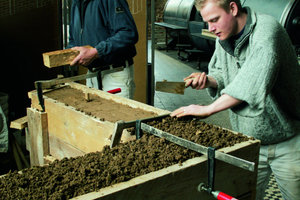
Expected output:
(223, 102)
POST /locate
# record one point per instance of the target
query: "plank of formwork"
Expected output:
(37, 136)
(60, 149)
(60, 57)
(19, 124)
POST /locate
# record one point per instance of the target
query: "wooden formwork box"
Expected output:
(61, 131)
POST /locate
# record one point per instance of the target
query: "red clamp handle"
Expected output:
(223, 196)
(114, 91)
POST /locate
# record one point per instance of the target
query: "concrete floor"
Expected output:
(170, 69)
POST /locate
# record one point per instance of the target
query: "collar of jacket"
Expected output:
(250, 24)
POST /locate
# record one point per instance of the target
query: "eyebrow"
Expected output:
(212, 19)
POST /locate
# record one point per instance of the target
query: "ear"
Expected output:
(233, 8)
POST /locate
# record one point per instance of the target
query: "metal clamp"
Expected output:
(138, 130)
(211, 168)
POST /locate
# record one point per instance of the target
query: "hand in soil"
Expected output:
(192, 110)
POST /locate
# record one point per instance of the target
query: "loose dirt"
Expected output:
(104, 109)
(72, 177)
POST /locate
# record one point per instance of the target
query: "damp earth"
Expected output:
(71, 177)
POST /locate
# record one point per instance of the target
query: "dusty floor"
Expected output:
(101, 108)
(76, 176)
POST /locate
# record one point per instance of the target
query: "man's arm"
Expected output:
(222, 103)
(123, 28)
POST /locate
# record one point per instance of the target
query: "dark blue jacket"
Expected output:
(106, 25)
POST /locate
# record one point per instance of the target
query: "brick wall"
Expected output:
(159, 31)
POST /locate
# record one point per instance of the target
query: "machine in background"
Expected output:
(184, 24)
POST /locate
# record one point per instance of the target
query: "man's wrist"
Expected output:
(211, 82)
(95, 53)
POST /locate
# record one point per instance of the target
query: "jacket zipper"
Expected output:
(83, 6)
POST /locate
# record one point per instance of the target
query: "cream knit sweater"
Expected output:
(263, 71)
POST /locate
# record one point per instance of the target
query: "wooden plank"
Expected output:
(76, 128)
(209, 34)
(60, 57)
(38, 131)
(60, 149)
(82, 131)
(19, 124)
(86, 133)
(180, 181)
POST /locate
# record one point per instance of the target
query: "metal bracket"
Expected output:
(211, 168)
(138, 127)
(117, 134)
(39, 89)
(238, 162)
(138, 130)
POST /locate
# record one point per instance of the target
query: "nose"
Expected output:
(211, 28)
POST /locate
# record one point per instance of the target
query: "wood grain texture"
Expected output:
(19, 124)
(38, 136)
(79, 130)
(60, 57)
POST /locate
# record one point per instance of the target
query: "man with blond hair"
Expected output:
(254, 73)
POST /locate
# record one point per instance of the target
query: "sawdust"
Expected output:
(76, 176)
(106, 110)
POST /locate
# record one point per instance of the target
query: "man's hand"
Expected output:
(85, 57)
(200, 81)
(195, 110)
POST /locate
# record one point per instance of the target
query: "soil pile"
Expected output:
(72, 177)
(199, 132)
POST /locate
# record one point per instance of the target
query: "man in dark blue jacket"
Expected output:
(107, 26)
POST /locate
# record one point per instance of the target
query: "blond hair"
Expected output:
(222, 3)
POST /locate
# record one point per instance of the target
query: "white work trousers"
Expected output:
(283, 159)
(111, 80)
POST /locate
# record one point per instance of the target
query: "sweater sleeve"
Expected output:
(215, 71)
(254, 80)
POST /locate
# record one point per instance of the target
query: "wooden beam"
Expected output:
(38, 136)
(60, 57)
(207, 33)
(19, 124)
